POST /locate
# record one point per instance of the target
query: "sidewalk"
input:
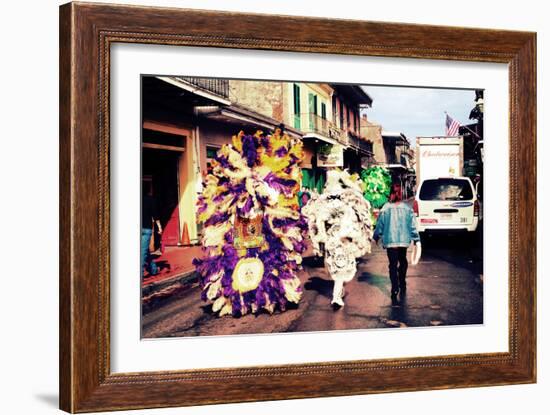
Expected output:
(176, 272)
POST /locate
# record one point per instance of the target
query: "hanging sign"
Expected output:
(330, 156)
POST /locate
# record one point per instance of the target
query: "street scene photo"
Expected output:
(296, 206)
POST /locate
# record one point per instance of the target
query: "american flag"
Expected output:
(451, 126)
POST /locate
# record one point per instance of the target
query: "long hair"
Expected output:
(396, 194)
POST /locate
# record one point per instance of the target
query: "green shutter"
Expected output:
(296, 99)
(323, 111)
(308, 179)
(320, 178)
(297, 109)
(312, 110)
(315, 104)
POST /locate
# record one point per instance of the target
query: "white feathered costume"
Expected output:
(340, 221)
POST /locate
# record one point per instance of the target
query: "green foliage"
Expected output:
(325, 149)
(377, 181)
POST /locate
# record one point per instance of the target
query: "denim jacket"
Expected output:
(396, 225)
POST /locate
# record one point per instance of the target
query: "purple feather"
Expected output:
(249, 150)
(246, 207)
(264, 141)
(216, 218)
(281, 151)
(223, 161)
(280, 184)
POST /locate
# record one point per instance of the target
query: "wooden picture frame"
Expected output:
(86, 33)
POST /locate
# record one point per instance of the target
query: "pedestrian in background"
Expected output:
(149, 217)
(396, 226)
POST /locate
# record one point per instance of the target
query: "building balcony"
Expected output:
(397, 162)
(311, 123)
(215, 86)
(359, 142)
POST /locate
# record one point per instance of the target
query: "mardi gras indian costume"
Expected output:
(253, 230)
(340, 227)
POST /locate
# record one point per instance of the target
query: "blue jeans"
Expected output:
(146, 260)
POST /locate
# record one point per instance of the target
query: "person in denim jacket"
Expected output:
(396, 226)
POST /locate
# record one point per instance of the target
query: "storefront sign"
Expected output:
(331, 157)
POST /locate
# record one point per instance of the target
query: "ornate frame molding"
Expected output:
(86, 33)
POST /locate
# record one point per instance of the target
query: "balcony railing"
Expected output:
(404, 161)
(313, 123)
(219, 87)
(396, 159)
(360, 142)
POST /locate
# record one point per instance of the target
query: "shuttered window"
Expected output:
(297, 109)
(313, 104)
(296, 99)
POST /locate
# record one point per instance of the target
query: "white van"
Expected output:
(447, 204)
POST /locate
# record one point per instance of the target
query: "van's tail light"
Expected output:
(415, 207)
(476, 208)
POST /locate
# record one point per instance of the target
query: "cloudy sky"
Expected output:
(418, 111)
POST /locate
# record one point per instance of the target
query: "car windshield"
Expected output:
(446, 189)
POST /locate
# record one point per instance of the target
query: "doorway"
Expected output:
(160, 172)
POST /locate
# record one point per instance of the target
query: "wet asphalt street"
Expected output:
(445, 288)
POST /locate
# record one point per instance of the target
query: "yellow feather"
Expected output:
(275, 164)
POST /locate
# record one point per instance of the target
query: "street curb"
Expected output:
(179, 280)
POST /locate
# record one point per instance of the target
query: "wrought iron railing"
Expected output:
(360, 142)
(313, 123)
(391, 158)
(219, 87)
(404, 160)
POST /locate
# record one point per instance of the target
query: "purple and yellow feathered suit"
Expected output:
(253, 233)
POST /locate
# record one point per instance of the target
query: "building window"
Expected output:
(211, 152)
(297, 109)
(323, 111)
(334, 110)
(313, 112)
(313, 104)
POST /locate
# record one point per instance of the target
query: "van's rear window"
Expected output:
(446, 189)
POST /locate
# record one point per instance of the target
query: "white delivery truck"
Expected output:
(445, 200)
(439, 157)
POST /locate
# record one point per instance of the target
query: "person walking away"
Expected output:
(149, 217)
(396, 226)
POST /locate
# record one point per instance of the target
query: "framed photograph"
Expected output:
(258, 207)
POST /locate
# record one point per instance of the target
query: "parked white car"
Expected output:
(447, 204)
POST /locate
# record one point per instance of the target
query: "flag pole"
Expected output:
(466, 127)
(473, 132)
